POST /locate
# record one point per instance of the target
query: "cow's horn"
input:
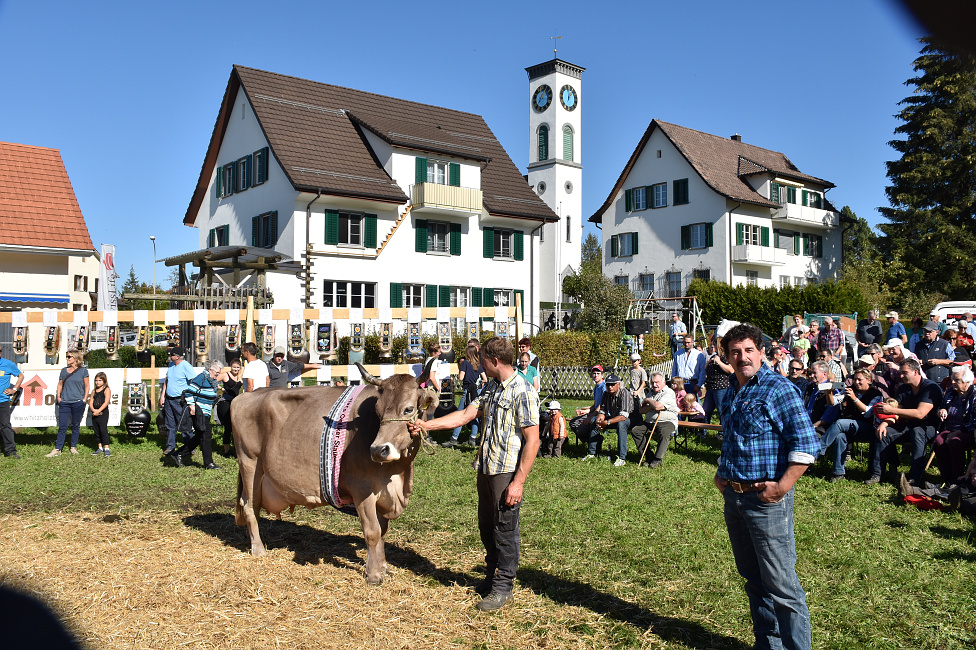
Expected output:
(368, 378)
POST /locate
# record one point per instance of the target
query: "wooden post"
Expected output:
(249, 327)
(518, 318)
(152, 382)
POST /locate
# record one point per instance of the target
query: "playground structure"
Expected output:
(647, 315)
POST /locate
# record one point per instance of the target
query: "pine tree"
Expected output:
(931, 227)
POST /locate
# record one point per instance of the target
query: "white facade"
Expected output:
(69, 275)
(555, 170)
(685, 228)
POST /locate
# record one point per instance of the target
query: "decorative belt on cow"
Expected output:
(331, 446)
(757, 486)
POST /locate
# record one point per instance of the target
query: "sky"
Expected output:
(129, 92)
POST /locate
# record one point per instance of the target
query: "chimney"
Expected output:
(737, 137)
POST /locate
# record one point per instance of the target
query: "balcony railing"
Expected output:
(445, 198)
(806, 216)
(753, 254)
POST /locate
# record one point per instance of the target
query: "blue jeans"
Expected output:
(473, 424)
(713, 402)
(172, 411)
(761, 535)
(841, 432)
(69, 412)
(623, 427)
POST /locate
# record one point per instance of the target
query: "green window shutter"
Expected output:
(430, 299)
(210, 238)
(254, 231)
(455, 239)
(444, 292)
(454, 175)
(803, 196)
(226, 237)
(421, 236)
(421, 170)
(614, 246)
(685, 237)
(797, 244)
(776, 238)
(219, 182)
(476, 296)
(369, 234)
(628, 200)
(488, 297)
(396, 294)
(263, 167)
(567, 143)
(234, 187)
(818, 240)
(708, 235)
(791, 195)
(739, 233)
(489, 247)
(517, 245)
(332, 227)
(774, 192)
(521, 299)
(764, 236)
(248, 165)
(680, 191)
(633, 243)
(806, 245)
(274, 229)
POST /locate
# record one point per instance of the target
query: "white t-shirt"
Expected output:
(256, 370)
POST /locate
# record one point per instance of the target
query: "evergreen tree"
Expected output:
(931, 227)
(605, 304)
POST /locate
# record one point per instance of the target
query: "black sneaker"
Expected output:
(14, 455)
(175, 459)
(210, 466)
(494, 601)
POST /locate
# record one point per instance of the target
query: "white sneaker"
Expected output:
(620, 462)
(588, 456)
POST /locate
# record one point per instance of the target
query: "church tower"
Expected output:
(555, 169)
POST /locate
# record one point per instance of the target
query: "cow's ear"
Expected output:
(429, 400)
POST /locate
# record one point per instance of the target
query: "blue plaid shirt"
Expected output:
(766, 429)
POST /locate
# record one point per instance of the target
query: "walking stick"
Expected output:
(647, 443)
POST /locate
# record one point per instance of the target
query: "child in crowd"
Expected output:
(690, 404)
(678, 386)
(882, 420)
(555, 434)
(98, 402)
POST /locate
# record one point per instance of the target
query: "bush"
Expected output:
(127, 358)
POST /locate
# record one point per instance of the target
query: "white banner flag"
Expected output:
(108, 299)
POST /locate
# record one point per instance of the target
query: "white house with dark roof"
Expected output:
(397, 204)
(689, 204)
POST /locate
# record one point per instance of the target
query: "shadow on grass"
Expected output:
(578, 594)
(312, 546)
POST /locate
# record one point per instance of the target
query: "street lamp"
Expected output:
(152, 238)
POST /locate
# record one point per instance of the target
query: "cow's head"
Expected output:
(401, 401)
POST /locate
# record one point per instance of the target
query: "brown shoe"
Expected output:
(53, 453)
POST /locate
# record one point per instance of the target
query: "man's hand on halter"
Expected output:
(416, 428)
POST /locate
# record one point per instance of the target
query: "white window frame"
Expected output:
(504, 238)
(625, 244)
(813, 198)
(413, 295)
(438, 172)
(439, 237)
(460, 296)
(504, 298)
(698, 235)
(751, 234)
(243, 180)
(343, 294)
(639, 198)
(799, 281)
(752, 278)
(784, 281)
(660, 195)
(673, 279)
(352, 230)
(228, 176)
(646, 282)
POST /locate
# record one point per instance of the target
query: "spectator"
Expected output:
(178, 375)
(70, 397)
(868, 332)
(970, 324)
(918, 398)
(661, 408)
(797, 377)
(895, 329)
(935, 317)
(958, 419)
(935, 354)
(823, 397)
(98, 401)
(691, 405)
(8, 370)
(836, 370)
(831, 339)
(678, 386)
(583, 423)
(528, 371)
(432, 368)
(717, 373)
(965, 339)
(915, 333)
(961, 356)
(690, 365)
(555, 433)
(232, 383)
(255, 373)
(280, 371)
(814, 337)
(871, 361)
(793, 333)
(637, 378)
(801, 342)
(615, 410)
(525, 345)
(855, 421)
(677, 331)
(201, 393)
(469, 374)
(777, 361)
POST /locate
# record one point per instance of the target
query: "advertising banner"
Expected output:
(107, 297)
(37, 409)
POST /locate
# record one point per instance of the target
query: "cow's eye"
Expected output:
(408, 410)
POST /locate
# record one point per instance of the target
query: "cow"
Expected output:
(277, 432)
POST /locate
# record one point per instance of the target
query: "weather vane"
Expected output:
(553, 39)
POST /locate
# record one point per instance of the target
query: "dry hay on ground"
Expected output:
(161, 580)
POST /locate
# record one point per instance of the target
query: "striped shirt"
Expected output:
(766, 429)
(202, 392)
(507, 408)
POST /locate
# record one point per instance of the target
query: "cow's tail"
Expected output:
(239, 517)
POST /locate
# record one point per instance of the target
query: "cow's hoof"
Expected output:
(258, 552)
(374, 580)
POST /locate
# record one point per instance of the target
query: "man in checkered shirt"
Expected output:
(767, 445)
(509, 442)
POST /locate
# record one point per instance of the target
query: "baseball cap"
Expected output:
(891, 314)
(866, 359)
(278, 350)
(597, 367)
(894, 343)
(555, 406)
(635, 357)
(612, 379)
(931, 325)
(176, 350)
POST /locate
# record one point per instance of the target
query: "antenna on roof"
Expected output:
(553, 38)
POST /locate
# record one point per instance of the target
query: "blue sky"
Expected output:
(129, 92)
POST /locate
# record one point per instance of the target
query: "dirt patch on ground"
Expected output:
(162, 580)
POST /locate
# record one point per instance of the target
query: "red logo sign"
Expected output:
(34, 391)
(109, 261)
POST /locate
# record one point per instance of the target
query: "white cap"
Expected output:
(893, 343)
(555, 406)
(891, 314)
(635, 357)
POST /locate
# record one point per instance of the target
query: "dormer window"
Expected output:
(439, 172)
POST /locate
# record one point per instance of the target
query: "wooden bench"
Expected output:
(684, 427)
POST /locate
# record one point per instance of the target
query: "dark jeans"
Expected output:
(172, 411)
(499, 527)
(6, 431)
(713, 402)
(100, 425)
(223, 414)
(69, 412)
(201, 436)
(761, 535)
(915, 439)
(950, 453)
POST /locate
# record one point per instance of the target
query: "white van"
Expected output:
(953, 310)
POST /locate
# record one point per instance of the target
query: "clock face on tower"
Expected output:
(567, 97)
(542, 98)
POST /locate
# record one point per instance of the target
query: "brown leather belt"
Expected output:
(758, 486)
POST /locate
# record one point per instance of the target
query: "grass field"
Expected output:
(135, 554)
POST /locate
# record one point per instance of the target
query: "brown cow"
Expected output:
(277, 433)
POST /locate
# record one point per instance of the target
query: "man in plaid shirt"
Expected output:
(831, 338)
(509, 444)
(768, 444)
